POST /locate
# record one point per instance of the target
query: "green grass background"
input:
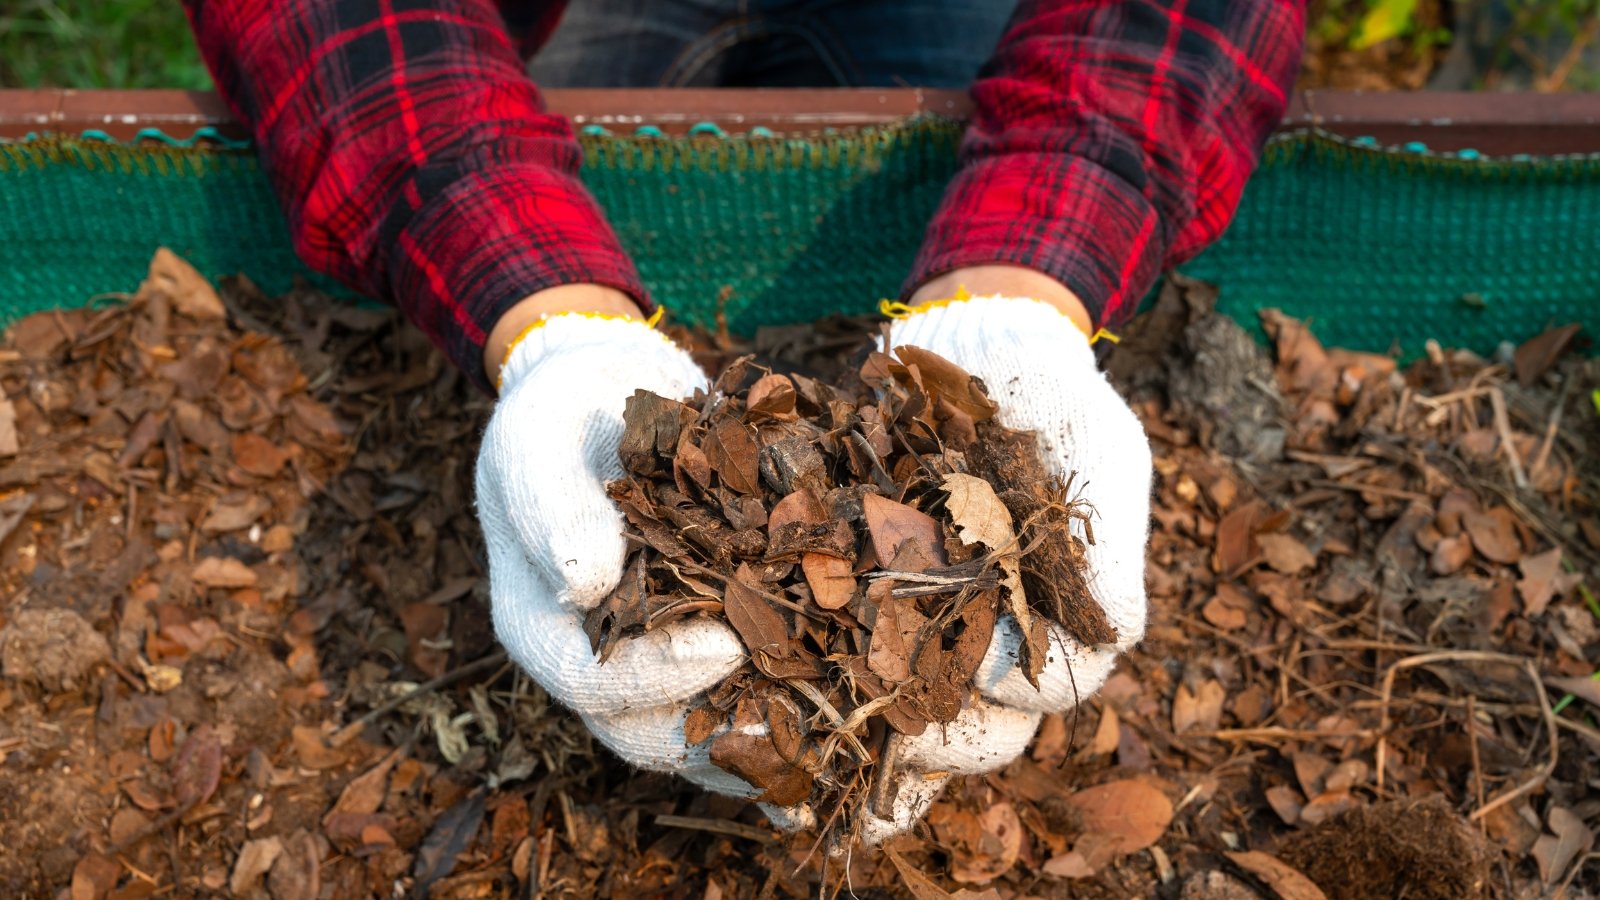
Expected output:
(98, 44)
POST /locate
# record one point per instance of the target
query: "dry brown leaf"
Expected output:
(1538, 584)
(365, 793)
(311, 752)
(772, 396)
(830, 579)
(1198, 710)
(1285, 801)
(1325, 806)
(257, 455)
(732, 453)
(188, 291)
(297, 875)
(426, 625)
(1587, 689)
(1119, 817)
(754, 758)
(1228, 609)
(255, 860)
(1538, 354)
(760, 626)
(223, 572)
(949, 382)
(699, 724)
(997, 850)
(1450, 554)
(921, 886)
(94, 877)
(1236, 540)
(981, 519)
(893, 637)
(197, 769)
(1285, 553)
(234, 512)
(893, 525)
(1050, 743)
(1285, 880)
(1555, 853)
(1494, 533)
(1310, 770)
(1107, 734)
(8, 427)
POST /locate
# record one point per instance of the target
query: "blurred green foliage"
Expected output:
(98, 44)
(146, 43)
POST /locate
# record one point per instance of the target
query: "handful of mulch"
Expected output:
(862, 540)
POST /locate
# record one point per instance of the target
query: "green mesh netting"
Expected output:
(1382, 249)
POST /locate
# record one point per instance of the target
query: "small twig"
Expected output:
(1423, 659)
(1551, 427)
(884, 785)
(718, 826)
(1477, 760)
(346, 734)
(1277, 733)
(1502, 424)
(713, 573)
(879, 476)
(1369, 489)
(1569, 60)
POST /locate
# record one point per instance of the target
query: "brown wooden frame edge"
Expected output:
(1495, 124)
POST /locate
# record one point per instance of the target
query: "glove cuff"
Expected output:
(997, 324)
(570, 330)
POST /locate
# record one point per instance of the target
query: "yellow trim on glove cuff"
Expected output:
(545, 319)
(894, 309)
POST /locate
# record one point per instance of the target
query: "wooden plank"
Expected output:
(1496, 124)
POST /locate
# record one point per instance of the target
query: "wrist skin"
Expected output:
(1006, 281)
(564, 298)
(980, 281)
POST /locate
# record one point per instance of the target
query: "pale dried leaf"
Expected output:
(1556, 853)
(1286, 554)
(997, 852)
(830, 579)
(188, 291)
(1130, 813)
(1198, 710)
(1538, 583)
(921, 886)
(1285, 880)
(365, 793)
(1494, 533)
(893, 638)
(8, 427)
(255, 860)
(223, 572)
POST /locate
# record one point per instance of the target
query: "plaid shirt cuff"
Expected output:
(1063, 216)
(489, 239)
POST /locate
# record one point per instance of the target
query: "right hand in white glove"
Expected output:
(556, 547)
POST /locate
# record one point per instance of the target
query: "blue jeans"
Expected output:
(771, 43)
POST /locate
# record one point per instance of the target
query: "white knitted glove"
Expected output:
(556, 547)
(1038, 367)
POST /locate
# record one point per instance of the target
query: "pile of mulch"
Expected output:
(861, 540)
(246, 646)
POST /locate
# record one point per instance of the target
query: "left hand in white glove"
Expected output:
(1039, 368)
(556, 546)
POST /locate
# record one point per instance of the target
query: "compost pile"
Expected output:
(861, 540)
(245, 644)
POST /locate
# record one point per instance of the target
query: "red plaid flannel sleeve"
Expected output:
(413, 155)
(1113, 140)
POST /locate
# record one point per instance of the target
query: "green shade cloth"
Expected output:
(1381, 248)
